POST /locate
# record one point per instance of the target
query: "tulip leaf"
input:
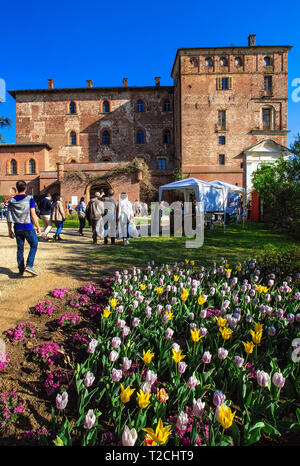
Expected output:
(235, 434)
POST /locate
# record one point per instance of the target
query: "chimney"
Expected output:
(157, 81)
(125, 82)
(50, 83)
(89, 83)
(251, 40)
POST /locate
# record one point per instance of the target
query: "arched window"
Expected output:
(167, 106)
(223, 61)
(267, 61)
(140, 137)
(31, 166)
(238, 61)
(73, 138)
(167, 136)
(72, 107)
(208, 61)
(13, 167)
(73, 161)
(105, 138)
(140, 106)
(105, 106)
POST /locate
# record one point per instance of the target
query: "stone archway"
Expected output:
(96, 186)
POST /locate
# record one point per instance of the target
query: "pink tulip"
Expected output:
(116, 375)
(90, 419)
(222, 353)
(61, 400)
(89, 379)
(169, 333)
(193, 382)
(262, 378)
(129, 437)
(126, 364)
(198, 407)
(115, 342)
(135, 322)
(206, 358)
(92, 346)
(181, 367)
(113, 356)
(278, 380)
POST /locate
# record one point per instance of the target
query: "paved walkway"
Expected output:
(59, 264)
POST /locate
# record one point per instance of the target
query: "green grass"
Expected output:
(73, 222)
(234, 245)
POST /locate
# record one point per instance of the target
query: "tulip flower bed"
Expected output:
(177, 355)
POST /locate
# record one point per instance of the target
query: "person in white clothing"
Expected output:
(125, 217)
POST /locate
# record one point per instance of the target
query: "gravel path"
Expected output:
(58, 265)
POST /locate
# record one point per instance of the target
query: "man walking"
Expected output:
(21, 214)
(94, 212)
(111, 215)
(45, 215)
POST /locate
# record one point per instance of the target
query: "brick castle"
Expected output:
(225, 113)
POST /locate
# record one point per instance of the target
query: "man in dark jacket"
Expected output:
(45, 215)
(94, 213)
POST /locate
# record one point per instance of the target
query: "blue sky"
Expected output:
(72, 41)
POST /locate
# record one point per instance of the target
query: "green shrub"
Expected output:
(281, 260)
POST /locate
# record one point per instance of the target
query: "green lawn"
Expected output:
(234, 245)
(73, 222)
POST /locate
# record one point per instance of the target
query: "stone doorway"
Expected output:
(98, 187)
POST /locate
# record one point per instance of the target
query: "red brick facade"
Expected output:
(223, 101)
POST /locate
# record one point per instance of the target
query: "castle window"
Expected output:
(238, 61)
(72, 108)
(221, 159)
(72, 138)
(167, 106)
(208, 61)
(140, 137)
(167, 136)
(161, 164)
(267, 118)
(267, 61)
(222, 119)
(13, 167)
(31, 166)
(105, 138)
(223, 61)
(73, 161)
(222, 140)
(140, 106)
(105, 107)
(267, 83)
(224, 83)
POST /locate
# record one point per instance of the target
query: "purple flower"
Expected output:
(90, 419)
(61, 400)
(218, 398)
(278, 380)
(89, 379)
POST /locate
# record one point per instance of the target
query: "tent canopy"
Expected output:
(212, 195)
(229, 187)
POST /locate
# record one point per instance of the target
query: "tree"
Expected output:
(278, 185)
(4, 122)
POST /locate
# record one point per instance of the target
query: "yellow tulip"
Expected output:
(201, 300)
(186, 261)
(225, 416)
(113, 302)
(161, 434)
(143, 399)
(195, 335)
(126, 393)
(106, 313)
(147, 356)
(226, 266)
(177, 356)
(225, 332)
(238, 268)
(192, 263)
(221, 322)
(256, 336)
(184, 294)
(176, 278)
(142, 286)
(170, 315)
(159, 289)
(228, 270)
(262, 289)
(258, 327)
(249, 346)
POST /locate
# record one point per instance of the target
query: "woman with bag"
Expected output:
(126, 217)
(58, 215)
(81, 212)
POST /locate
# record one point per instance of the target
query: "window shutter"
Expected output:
(230, 83)
(219, 83)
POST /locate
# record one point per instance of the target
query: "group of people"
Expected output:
(108, 218)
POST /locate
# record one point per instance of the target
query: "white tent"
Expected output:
(212, 195)
(231, 188)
